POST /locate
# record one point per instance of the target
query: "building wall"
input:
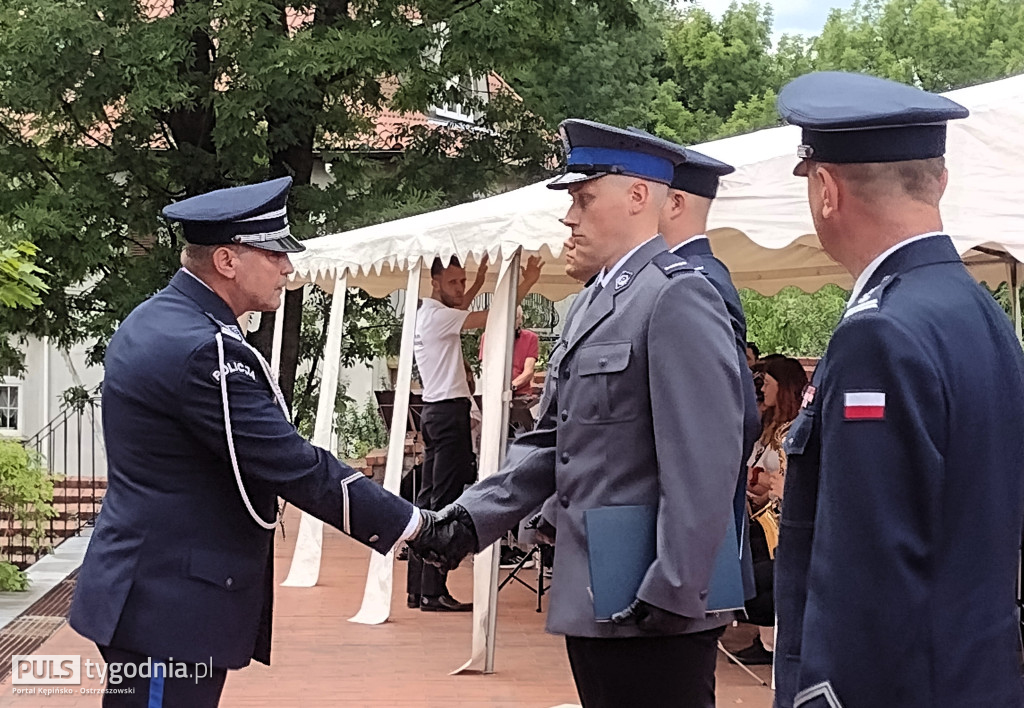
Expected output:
(75, 445)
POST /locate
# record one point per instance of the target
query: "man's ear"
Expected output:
(639, 196)
(675, 205)
(225, 262)
(943, 182)
(831, 189)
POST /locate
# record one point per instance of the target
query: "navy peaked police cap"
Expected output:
(856, 118)
(594, 150)
(696, 173)
(254, 215)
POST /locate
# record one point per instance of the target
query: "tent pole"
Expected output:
(305, 568)
(376, 607)
(509, 341)
(496, 386)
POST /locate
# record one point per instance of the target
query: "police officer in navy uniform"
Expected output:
(199, 448)
(643, 405)
(684, 225)
(904, 497)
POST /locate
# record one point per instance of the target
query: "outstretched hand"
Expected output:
(531, 271)
(445, 537)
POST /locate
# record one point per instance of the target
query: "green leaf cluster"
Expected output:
(21, 283)
(793, 322)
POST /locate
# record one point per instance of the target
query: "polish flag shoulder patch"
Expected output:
(864, 405)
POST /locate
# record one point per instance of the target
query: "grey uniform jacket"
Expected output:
(642, 405)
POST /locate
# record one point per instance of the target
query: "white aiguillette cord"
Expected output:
(227, 422)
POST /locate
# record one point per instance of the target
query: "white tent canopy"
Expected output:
(761, 226)
(761, 229)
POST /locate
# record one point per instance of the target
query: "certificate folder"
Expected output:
(622, 544)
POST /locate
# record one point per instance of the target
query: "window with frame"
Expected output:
(10, 403)
(458, 112)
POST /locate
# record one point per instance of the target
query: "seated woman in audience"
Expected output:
(783, 382)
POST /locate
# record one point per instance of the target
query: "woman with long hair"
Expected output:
(782, 383)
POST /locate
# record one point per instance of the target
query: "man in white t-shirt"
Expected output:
(448, 463)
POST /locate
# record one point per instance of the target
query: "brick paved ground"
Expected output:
(320, 659)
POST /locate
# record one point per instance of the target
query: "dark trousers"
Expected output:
(168, 689)
(654, 672)
(761, 607)
(448, 467)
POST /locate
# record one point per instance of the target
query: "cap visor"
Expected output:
(570, 178)
(288, 244)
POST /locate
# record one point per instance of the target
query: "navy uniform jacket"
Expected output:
(698, 253)
(642, 405)
(904, 502)
(176, 566)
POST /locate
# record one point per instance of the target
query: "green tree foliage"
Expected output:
(936, 44)
(793, 322)
(110, 109)
(591, 65)
(721, 77)
(26, 498)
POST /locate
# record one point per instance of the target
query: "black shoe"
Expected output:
(510, 557)
(755, 654)
(412, 601)
(444, 603)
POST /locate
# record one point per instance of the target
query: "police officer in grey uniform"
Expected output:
(643, 406)
(904, 499)
(179, 571)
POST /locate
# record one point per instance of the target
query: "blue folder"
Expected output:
(622, 544)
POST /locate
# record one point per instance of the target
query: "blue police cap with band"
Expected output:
(696, 173)
(855, 118)
(254, 215)
(594, 150)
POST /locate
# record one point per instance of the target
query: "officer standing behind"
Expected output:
(199, 448)
(643, 406)
(684, 225)
(900, 533)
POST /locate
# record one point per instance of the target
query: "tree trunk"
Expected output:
(290, 342)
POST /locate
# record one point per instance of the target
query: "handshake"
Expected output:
(444, 537)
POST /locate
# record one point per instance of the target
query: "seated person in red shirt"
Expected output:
(524, 361)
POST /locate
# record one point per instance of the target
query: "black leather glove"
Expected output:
(445, 537)
(651, 619)
(544, 528)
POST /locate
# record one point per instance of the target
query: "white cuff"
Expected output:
(412, 527)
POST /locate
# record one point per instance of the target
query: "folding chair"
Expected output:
(532, 553)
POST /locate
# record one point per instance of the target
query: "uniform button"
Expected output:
(374, 538)
(565, 457)
(229, 582)
(703, 594)
(564, 501)
(565, 416)
(602, 362)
